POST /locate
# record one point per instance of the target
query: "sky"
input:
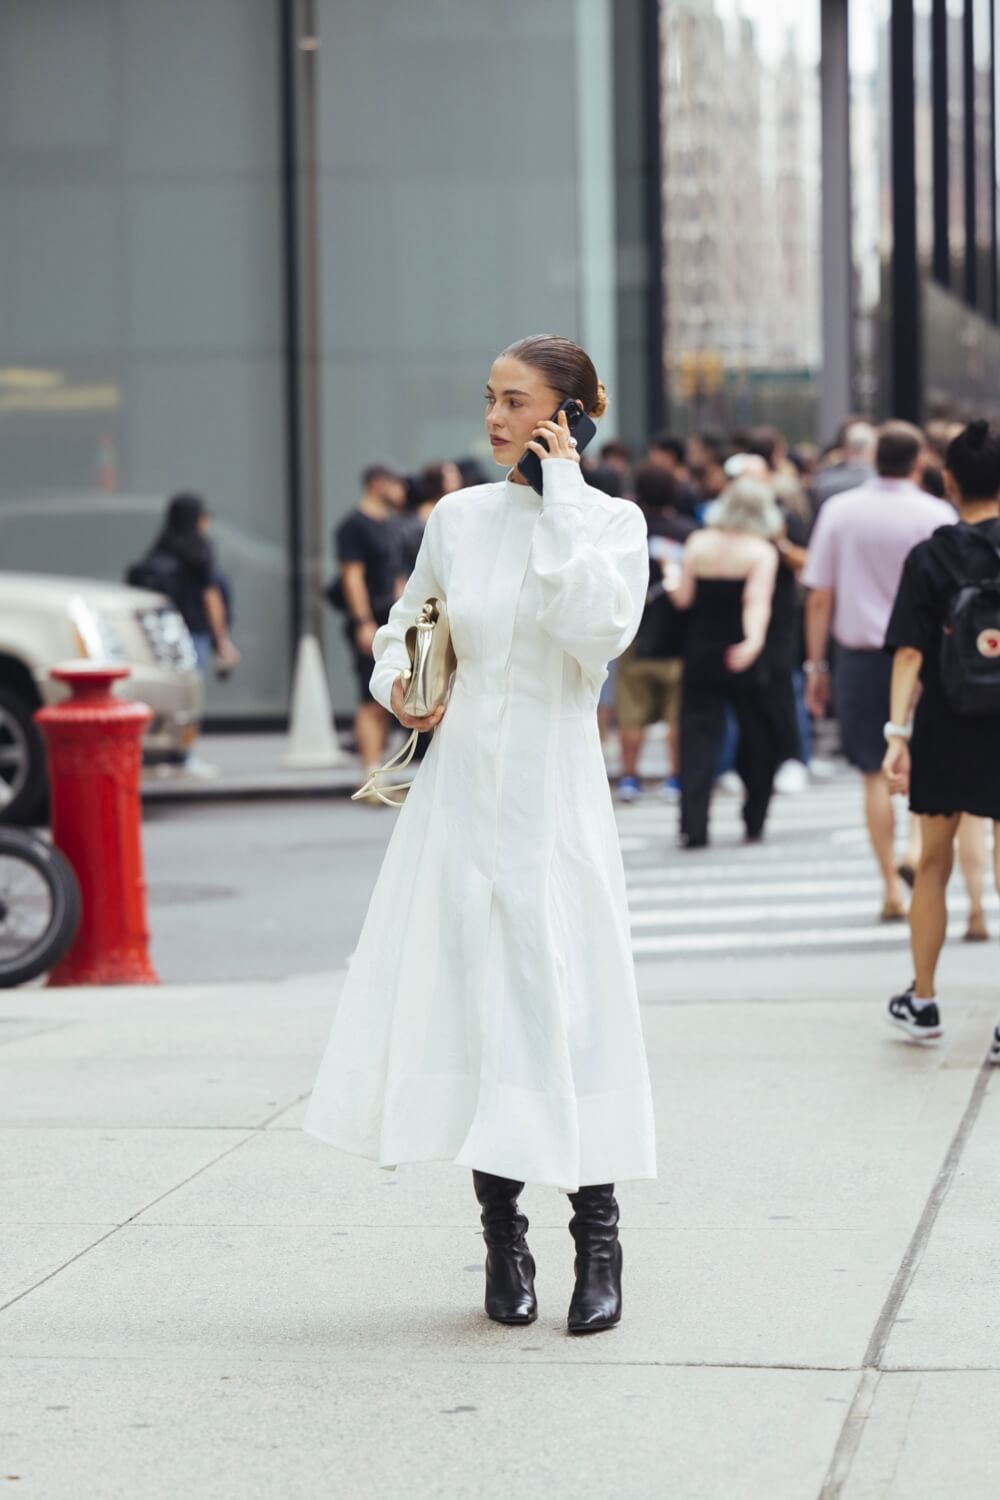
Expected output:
(772, 21)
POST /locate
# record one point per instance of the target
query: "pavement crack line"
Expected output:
(854, 1423)
(251, 1135)
(39, 1028)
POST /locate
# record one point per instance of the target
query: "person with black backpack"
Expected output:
(944, 634)
(181, 564)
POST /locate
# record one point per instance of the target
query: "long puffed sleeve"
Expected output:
(593, 567)
(389, 648)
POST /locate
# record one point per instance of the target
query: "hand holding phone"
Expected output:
(580, 426)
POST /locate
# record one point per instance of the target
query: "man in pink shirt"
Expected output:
(856, 556)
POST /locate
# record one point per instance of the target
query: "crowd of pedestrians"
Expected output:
(772, 603)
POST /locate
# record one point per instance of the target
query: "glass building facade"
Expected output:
(923, 109)
(141, 302)
(249, 246)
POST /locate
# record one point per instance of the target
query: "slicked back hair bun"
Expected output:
(566, 367)
(973, 460)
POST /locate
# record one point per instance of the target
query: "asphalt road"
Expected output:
(269, 890)
(259, 890)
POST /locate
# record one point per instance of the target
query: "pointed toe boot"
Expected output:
(597, 1298)
(510, 1267)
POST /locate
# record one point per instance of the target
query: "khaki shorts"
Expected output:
(647, 690)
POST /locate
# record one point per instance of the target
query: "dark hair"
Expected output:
(667, 443)
(655, 487)
(763, 441)
(179, 535)
(973, 461)
(898, 448)
(472, 471)
(375, 472)
(713, 444)
(430, 482)
(615, 448)
(607, 478)
(932, 480)
(568, 369)
(414, 492)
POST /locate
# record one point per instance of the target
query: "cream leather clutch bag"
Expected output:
(432, 660)
(429, 675)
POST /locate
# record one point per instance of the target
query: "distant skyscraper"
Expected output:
(741, 162)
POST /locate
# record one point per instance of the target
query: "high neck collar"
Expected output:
(523, 494)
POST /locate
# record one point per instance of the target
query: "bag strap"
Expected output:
(399, 760)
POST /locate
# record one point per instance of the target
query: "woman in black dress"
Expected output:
(727, 583)
(948, 762)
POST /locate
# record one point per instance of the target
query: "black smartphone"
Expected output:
(580, 426)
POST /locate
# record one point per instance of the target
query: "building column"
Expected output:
(905, 340)
(836, 391)
(298, 51)
(638, 208)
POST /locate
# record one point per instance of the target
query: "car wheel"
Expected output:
(23, 779)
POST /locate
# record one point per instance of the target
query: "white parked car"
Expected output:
(46, 620)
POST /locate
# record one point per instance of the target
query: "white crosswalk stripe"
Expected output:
(812, 885)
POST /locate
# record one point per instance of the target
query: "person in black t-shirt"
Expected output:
(368, 548)
(948, 761)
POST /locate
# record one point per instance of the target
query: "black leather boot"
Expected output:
(597, 1299)
(510, 1268)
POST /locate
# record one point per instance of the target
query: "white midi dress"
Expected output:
(489, 1015)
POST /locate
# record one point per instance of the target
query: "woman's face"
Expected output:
(517, 399)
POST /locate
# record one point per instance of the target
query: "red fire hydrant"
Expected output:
(95, 757)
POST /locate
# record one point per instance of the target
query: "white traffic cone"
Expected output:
(312, 744)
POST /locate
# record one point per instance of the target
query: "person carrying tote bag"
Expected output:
(489, 1015)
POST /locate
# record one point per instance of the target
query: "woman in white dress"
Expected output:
(490, 1016)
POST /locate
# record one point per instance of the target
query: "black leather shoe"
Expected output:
(597, 1299)
(510, 1268)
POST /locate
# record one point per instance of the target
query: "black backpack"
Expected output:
(970, 646)
(158, 571)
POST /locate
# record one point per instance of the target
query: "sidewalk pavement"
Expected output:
(249, 766)
(246, 766)
(199, 1299)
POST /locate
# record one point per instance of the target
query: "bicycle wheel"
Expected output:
(39, 906)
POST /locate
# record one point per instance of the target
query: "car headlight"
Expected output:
(96, 632)
(168, 638)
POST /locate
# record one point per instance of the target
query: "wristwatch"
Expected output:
(816, 668)
(893, 731)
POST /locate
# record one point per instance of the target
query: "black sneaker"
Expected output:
(923, 1025)
(994, 1056)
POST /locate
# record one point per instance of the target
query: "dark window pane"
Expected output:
(140, 303)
